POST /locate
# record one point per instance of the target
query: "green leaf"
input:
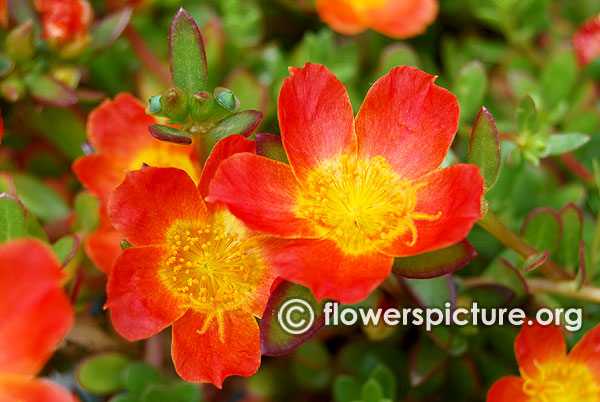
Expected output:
(541, 229)
(109, 29)
(270, 146)
(433, 292)
(371, 391)
(157, 393)
(186, 53)
(435, 263)
(346, 389)
(124, 397)
(169, 134)
(425, 360)
(13, 218)
(101, 374)
(137, 376)
(243, 123)
(86, 208)
(558, 78)
(484, 148)
(65, 248)
(397, 54)
(562, 143)
(526, 116)
(470, 87)
(48, 91)
(61, 126)
(311, 366)
(186, 392)
(40, 199)
(567, 254)
(252, 93)
(386, 379)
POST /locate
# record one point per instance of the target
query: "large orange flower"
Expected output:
(193, 266)
(64, 19)
(548, 373)
(586, 41)
(36, 316)
(396, 18)
(118, 130)
(356, 193)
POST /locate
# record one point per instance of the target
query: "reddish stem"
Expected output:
(576, 167)
(146, 55)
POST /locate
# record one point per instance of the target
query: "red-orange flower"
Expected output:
(64, 19)
(118, 130)
(396, 18)
(36, 316)
(548, 373)
(192, 266)
(357, 192)
(586, 41)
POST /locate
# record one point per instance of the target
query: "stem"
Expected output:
(577, 168)
(146, 55)
(496, 228)
(153, 350)
(541, 285)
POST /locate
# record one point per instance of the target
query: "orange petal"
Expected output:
(103, 245)
(262, 193)
(119, 128)
(403, 19)
(507, 389)
(316, 118)
(455, 194)
(36, 313)
(537, 344)
(99, 174)
(205, 358)
(140, 303)
(25, 389)
(222, 150)
(408, 120)
(587, 351)
(340, 16)
(330, 273)
(150, 200)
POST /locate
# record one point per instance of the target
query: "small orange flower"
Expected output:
(118, 130)
(192, 266)
(395, 18)
(36, 316)
(548, 373)
(357, 192)
(64, 19)
(586, 41)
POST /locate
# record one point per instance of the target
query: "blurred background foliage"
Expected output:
(513, 56)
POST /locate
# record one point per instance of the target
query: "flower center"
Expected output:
(165, 157)
(562, 381)
(213, 268)
(366, 3)
(361, 203)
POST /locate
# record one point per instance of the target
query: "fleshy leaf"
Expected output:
(270, 145)
(169, 134)
(273, 338)
(86, 210)
(371, 391)
(526, 116)
(542, 229)
(484, 148)
(426, 359)
(243, 123)
(39, 199)
(65, 248)
(13, 218)
(558, 78)
(567, 254)
(101, 374)
(435, 292)
(386, 378)
(470, 88)
(562, 143)
(435, 263)
(187, 54)
(137, 376)
(584, 262)
(49, 91)
(490, 295)
(109, 29)
(346, 389)
(535, 261)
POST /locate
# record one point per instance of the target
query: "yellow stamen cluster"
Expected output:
(360, 203)
(366, 3)
(561, 381)
(213, 269)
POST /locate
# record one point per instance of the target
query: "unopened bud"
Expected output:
(20, 42)
(174, 104)
(154, 105)
(200, 106)
(12, 89)
(227, 99)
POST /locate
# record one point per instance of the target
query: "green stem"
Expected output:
(541, 285)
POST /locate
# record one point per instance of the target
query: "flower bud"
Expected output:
(174, 104)
(20, 42)
(12, 89)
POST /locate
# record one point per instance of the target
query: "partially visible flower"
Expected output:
(586, 41)
(357, 193)
(548, 373)
(64, 19)
(395, 18)
(192, 266)
(3, 14)
(118, 130)
(36, 316)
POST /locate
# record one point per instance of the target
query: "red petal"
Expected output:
(454, 191)
(140, 303)
(403, 19)
(99, 174)
(150, 200)
(204, 358)
(316, 118)
(586, 40)
(222, 150)
(103, 245)
(409, 120)
(321, 266)
(13, 388)
(537, 344)
(36, 313)
(119, 128)
(507, 389)
(587, 351)
(340, 16)
(262, 193)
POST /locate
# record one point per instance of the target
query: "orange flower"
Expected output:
(586, 41)
(64, 19)
(36, 316)
(192, 266)
(548, 373)
(395, 18)
(357, 192)
(118, 130)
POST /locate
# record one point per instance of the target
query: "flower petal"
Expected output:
(537, 344)
(141, 305)
(103, 246)
(204, 358)
(587, 351)
(36, 313)
(507, 389)
(408, 120)
(586, 40)
(455, 193)
(316, 118)
(330, 273)
(262, 193)
(340, 16)
(16, 388)
(403, 19)
(223, 149)
(99, 174)
(150, 200)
